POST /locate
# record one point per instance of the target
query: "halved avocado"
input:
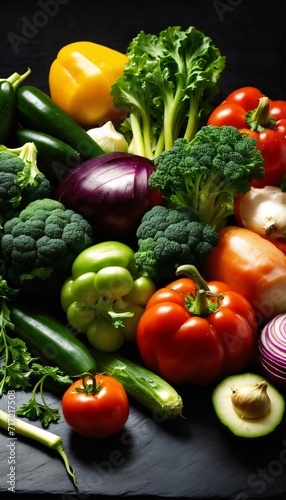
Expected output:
(249, 428)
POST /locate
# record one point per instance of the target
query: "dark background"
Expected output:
(251, 34)
(192, 458)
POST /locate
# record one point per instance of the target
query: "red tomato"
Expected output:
(96, 407)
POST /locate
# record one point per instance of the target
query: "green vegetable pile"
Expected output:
(167, 88)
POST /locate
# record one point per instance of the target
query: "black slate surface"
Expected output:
(193, 457)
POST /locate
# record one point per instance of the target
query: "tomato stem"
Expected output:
(89, 387)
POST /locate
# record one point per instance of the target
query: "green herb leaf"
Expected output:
(52, 371)
(31, 409)
(15, 370)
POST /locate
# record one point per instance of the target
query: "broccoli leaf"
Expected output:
(167, 88)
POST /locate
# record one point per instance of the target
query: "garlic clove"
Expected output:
(108, 138)
(251, 401)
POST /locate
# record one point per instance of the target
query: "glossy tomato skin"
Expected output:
(187, 348)
(98, 415)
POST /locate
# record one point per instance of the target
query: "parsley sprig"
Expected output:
(18, 367)
(15, 358)
(32, 409)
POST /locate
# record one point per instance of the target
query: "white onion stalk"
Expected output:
(16, 426)
(263, 210)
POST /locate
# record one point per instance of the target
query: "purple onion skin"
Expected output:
(272, 350)
(111, 192)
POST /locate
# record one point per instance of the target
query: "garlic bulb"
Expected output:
(108, 138)
(251, 401)
(263, 210)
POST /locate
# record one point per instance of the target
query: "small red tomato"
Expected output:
(96, 406)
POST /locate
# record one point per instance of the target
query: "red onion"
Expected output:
(272, 349)
(111, 192)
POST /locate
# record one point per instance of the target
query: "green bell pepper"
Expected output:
(105, 296)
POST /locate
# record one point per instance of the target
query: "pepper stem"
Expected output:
(259, 118)
(202, 303)
(16, 79)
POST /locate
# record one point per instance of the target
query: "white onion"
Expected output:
(263, 210)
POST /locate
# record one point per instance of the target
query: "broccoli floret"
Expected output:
(21, 180)
(169, 238)
(207, 173)
(43, 238)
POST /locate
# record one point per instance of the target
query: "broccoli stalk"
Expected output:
(30, 173)
(167, 88)
(21, 180)
(207, 173)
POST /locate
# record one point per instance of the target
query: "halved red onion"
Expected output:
(272, 349)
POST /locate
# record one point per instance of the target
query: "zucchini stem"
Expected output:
(40, 435)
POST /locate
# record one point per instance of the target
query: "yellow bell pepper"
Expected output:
(80, 81)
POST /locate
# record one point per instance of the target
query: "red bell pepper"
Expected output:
(262, 118)
(196, 332)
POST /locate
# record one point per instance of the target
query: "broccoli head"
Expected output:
(21, 180)
(169, 238)
(44, 237)
(207, 173)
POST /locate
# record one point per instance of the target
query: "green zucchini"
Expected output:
(37, 111)
(55, 158)
(51, 340)
(148, 388)
(7, 111)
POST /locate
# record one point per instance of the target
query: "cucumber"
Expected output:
(146, 387)
(37, 111)
(7, 111)
(52, 340)
(55, 158)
